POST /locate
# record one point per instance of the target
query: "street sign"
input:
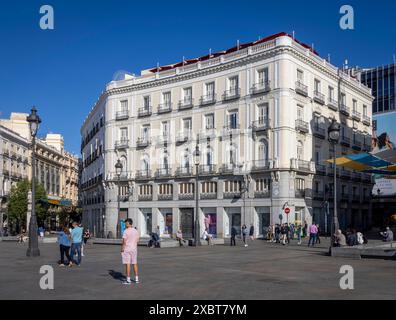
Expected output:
(287, 210)
(280, 217)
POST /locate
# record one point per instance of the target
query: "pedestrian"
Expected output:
(352, 238)
(339, 239)
(41, 232)
(130, 240)
(179, 237)
(277, 233)
(86, 237)
(387, 235)
(64, 247)
(305, 229)
(158, 231)
(313, 231)
(288, 230)
(292, 230)
(299, 234)
(244, 234)
(233, 235)
(283, 231)
(251, 232)
(270, 235)
(76, 237)
(208, 237)
(317, 235)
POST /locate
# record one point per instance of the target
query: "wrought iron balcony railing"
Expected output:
(301, 88)
(233, 93)
(260, 87)
(122, 115)
(319, 97)
(207, 99)
(164, 107)
(144, 112)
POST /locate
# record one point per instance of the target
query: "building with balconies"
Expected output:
(260, 120)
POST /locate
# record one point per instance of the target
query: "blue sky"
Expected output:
(63, 71)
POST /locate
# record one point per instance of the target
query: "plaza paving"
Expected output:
(261, 271)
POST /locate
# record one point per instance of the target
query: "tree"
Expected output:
(18, 203)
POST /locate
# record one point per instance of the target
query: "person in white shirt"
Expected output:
(206, 236)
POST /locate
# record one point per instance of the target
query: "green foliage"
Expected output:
(18, 202)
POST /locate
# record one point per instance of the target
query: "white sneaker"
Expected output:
(136, 280)
(246, 245)
(126, 282)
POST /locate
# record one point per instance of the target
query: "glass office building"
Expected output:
(382, 82)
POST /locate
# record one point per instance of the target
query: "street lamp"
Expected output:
(118, 168)
(197, 156)
(33, 251)
(334, 136)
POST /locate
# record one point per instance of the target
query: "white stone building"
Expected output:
(259, 113)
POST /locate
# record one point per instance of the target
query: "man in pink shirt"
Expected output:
(130, 240)
(313, 232)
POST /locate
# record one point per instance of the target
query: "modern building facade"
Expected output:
(258, 113)
(56, 169)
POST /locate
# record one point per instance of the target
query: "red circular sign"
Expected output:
(287, 210)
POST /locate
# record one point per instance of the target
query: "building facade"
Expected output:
(258, 114)
(56, 169)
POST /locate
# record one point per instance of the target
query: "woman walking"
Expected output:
(244, 234)
(64, 246)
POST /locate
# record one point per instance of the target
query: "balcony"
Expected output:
(186, 196)
(260, 87)
(143, 174)
(230, 130)
(142, 142)
(366, 120)
(345, 174)
(183, 137)
(319, 97)
(145, 197)
(165, 197)
(344, 110)
(318, 131)
(302, 126)
(208, 196)
(164, 139)
(123, 198)
(121, 144)
(356, 145)
(231, 195)
(207, 133)
(207, 100)
(164, 107)
(356, 115)
(332, 104)
(262, 194)
(318, 195)
(122, 115)
(165, 172)
(299, 193)
(304, 165)
(320, 169)
(207, 169)
(231, 94)
(144, 112)
(345, 141)
(184, 171)
(228, 168)
(258, 165)
(301, 89)
(186, 103)
(262, 124)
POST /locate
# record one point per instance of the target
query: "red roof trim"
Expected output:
(233, 49)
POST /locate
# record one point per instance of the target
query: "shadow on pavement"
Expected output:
(116, 275)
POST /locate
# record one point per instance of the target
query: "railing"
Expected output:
(228, 168)
(230, 129)
(184, 171)
(183, 137)
(332, 104)
(263, 164)
(163, 172)
(207, 169)
(162, 139)
(207, 99)
(260, 87)
(299, 193)
(318, 194)
(142, 142)
(232, 94)
(319, 131)
(319, 97)
(186, 103)
(344, 109)
(345, 174)
(208, 196)
(143, 174)
(121, 115)
(121, 144)
(262, 194)
(164, 107)
(186, 196)
(207, 133)
(366, 120)
(320, 168)
(261, 124)
(357, 145)
(165, 197)
(356, 115)
(231, 195)
(144, 112)
(302, 125)
(145, 197)
(345, 141)
(301, 88)
(304, 165)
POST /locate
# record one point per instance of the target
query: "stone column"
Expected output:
(220, 222)
(175, 221)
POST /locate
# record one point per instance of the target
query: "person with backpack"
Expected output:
(233, 235)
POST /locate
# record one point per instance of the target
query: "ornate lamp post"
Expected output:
(197, 156)
(33, 251)
(334, 136)
(118, 168)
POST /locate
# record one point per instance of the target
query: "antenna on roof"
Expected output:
(394, 59)
(184, 60)
(237, 44)
(157, 66)
(328, 58)
(210, 52)
(259, 38)
(313, 47)
(294, 34)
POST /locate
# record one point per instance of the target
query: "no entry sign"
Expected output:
(287, 210)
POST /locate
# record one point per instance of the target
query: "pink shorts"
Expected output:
(129, 257)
